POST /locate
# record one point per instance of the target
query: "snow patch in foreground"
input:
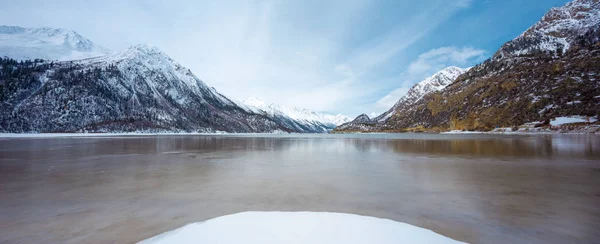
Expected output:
(298, 227)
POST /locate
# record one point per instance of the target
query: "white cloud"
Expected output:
(296, 53)
(426, 65)
(344, 70)
(463, 3)
(391, 98)
(439, 58)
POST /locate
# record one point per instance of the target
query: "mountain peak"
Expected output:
(557, 29)
(254, 101)
(299, 115)
(575, 15)
(46, 43)
(144, 48)
(436, 82)
(363, 118)
(7, 29)
(449, 71)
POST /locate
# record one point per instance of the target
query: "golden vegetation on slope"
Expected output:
(510, 91)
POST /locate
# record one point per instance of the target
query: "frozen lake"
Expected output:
(473, 188)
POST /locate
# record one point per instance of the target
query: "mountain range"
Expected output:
(298, 118)
(549, 71)
(54, 80)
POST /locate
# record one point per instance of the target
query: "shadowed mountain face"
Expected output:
(551, 70)
(141, 89)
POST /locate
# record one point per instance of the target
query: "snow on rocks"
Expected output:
(557, 29)
(164, 73)
(572, 119)
(298, 227)
(303, 117)
(301, 114)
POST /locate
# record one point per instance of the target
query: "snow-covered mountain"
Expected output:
(302, 119)
(434, 83)
(139, 89)
(360, 123)
(557, 30)
(46, 43)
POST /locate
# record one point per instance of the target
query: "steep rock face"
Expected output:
(46, 43)
(549, 71)
(360, 123)
(510, 93)
(302, 120)
(140, 89)
(556, 31)
(363, 118)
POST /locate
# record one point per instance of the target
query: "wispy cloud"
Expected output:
(463, 3)
(439, 58)
(320, 55)
(391, 98)
(381, 49)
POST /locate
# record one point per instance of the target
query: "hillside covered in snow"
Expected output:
(139, 89)
(298, 118)
(54, 80)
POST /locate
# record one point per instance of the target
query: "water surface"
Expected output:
(474, 188)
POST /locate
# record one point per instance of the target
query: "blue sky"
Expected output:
(338, 56)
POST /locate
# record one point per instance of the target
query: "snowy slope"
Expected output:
(298, 227)
(556, 30)
(182, 86)
(139, 89)
(46, 43)
(434, 83)
(320, 121)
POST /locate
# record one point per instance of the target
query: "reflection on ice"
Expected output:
(473, 188)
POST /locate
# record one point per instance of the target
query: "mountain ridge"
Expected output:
(298, 117)
(535, 77)
(138, 89)
(436, 82)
